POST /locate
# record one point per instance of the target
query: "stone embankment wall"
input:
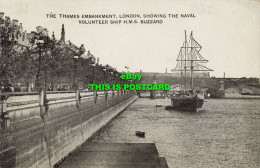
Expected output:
(38, 130)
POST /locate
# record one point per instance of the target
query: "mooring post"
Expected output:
(42, 97)
(113, 93)
(106, 94)
(95, 96)
(7, 151)
(5, 115)
(113, 97)
(77, 95)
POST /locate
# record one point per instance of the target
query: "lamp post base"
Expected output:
(75, 86)
(38, 86)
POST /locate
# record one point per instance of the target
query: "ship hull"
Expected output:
(193, 103)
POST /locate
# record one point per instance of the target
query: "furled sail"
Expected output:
(190, 57)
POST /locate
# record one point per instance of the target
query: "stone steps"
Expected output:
(115, 155)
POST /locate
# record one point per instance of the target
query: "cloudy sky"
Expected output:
(229, 32)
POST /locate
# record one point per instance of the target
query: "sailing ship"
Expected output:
(189, 61)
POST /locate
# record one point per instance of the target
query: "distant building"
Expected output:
(176, 75)
(22, 37)
(62, 34)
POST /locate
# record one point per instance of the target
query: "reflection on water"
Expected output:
(226, 133)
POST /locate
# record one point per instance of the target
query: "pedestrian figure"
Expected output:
(138, 93)
(7, 88)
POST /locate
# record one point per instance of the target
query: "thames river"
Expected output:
(226, 133)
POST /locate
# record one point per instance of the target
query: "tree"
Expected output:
(26, 66)
(7, 52)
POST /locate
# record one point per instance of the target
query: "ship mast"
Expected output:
(191, 53)
(185, 47)
(181, 71)
(191, 65)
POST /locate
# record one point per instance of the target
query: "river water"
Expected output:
(226, 133)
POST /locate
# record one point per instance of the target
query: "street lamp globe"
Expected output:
(40, 43)
(76, 57)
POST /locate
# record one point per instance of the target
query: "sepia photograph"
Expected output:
(129, 84)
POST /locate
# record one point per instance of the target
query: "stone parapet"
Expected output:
(38, 130)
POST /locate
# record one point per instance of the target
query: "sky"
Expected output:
(228, 31)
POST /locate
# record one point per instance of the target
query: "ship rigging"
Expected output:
(189, 61)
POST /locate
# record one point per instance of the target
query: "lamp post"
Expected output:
(111, 76)
(105, 76)
(75, 58)
(93, 73)
(92, 63)
(38, 86)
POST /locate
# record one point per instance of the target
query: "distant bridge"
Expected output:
(217, 87)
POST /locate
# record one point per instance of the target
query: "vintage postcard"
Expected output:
(129, 84)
